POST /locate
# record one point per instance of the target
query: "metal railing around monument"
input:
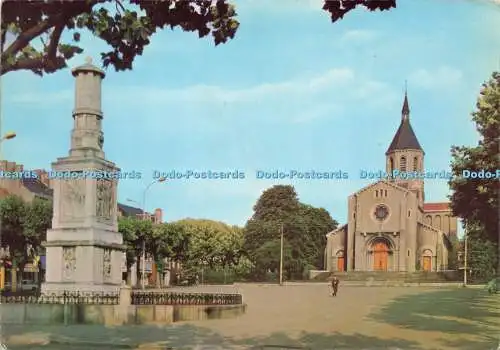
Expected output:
(165, 298)
(88, 298)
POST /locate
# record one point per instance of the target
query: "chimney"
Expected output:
(158, 215)
(43, 176)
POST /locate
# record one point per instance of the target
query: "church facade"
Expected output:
(390, 226)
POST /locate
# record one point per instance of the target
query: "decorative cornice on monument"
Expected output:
(100, 244)
(88, 67)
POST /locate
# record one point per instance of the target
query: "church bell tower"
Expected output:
(405, 156)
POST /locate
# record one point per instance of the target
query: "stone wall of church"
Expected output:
(442, 220)
(335, 249)
(431, 244)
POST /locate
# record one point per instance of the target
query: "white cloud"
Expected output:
(301, 99)
(204, 93)
(358, 35)
(436, 79)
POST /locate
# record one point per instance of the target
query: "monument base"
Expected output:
(55, 288)
(90, 262)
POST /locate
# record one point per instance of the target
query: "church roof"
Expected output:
(388, 183)
(444, 206)
(405, 137)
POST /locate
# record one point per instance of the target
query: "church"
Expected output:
(390, 227)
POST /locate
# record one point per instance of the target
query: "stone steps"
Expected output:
(405, 277)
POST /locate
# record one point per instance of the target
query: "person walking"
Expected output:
(335, 286)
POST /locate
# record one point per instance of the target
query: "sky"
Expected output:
(292, 91)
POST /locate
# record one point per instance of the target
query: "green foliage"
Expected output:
(476, 200)
(339, 8)
(24, 226)
(135, 233)
(453, 253)
(125, 26)
(211, 243)
(481, 256)
(493, 286)
(304, 229)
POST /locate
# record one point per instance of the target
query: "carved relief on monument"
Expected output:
(104, 203)
(73, 198)
(69, 262)
(107, 264)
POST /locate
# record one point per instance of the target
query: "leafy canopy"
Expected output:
(476, 200)
(34, 33)
(24, 226)
(304, 228)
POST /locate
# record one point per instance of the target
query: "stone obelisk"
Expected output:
(84, 249)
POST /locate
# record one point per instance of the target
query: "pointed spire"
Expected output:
(405, 112)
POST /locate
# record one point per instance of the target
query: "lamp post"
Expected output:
(144, 217)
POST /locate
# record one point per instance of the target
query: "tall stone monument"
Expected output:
(84, 248)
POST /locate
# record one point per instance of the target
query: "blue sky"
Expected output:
(292, 91)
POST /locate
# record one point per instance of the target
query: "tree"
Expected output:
(125, 26)
(12, 213)
(24, 227)
(135, 233)
(212, 245)
(168, 241)
(476, 200)
(304, 229)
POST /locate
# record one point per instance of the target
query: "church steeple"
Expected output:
(405, 138)
(405, 112)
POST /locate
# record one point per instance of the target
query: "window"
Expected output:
(408, 252)
(402, 164)
(381, 212)
(376, 193)
(391, 164)
(409, 213)
(415, 164)
(385, 193)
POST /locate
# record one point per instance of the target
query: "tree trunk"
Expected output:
(138, 270)
(129, 275)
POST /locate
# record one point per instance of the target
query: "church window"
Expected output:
(402, 164)
(415, 164)
(381, 212)
(385, 193)
(408, 252)
(409, 213)
(391, 164)
(376, 193)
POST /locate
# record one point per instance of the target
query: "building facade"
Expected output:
(390, 226)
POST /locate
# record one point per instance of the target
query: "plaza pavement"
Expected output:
(303, 316)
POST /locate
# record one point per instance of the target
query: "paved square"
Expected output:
(307, 317)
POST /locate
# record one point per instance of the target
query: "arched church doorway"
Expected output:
(380, 256)
(427, 260)
(340, 261)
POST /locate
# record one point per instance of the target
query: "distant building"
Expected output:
(390, 227)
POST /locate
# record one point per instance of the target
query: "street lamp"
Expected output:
(9, 135)
(143, 258)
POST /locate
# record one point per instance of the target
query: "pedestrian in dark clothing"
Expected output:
(335, 286)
